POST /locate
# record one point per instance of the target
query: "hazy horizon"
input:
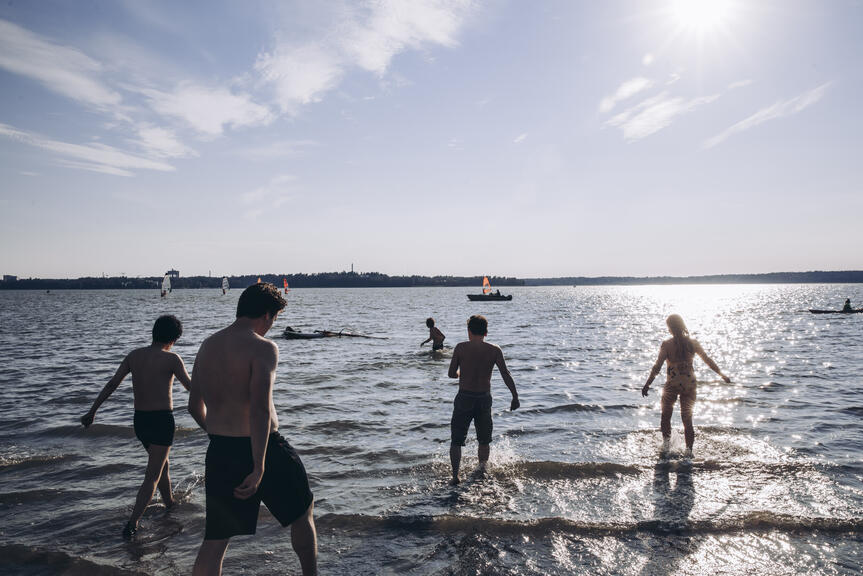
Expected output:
(442, 137)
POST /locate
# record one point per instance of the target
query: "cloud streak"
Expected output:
(780, 109)
(93, 157)
(625, 91)
(654, 114)
(61, 69)
(366, 38)
(209, 110)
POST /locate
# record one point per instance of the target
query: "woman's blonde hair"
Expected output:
(682, 343)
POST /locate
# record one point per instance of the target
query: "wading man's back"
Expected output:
(248, 461)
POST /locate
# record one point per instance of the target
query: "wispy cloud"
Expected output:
(654, 114)
(779, 109)
(275, 193)
(94, 157)
(625, 91)
(648, 59)
(278, 149)
(739, 84)
(61, 69)
(367, 37)
(520, 138)
(161, 143)
(209, 110)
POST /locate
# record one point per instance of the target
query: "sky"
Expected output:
(529, 139)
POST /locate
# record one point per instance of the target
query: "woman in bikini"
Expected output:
(678, 352)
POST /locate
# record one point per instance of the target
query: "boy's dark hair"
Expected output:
(258, 299)
(167, 329)
(477, 325)
(430, 322)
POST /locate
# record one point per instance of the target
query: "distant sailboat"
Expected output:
(259, 279)
(166, 285)
(285, 281)
(487, 295)
(225, 285)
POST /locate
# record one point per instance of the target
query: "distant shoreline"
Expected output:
(377, 280)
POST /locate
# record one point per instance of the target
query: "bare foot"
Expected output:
(129, 530)
(454, 481)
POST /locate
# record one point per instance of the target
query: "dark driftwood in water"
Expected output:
(331, 334)
(292, 334)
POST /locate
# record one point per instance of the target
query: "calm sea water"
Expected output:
(576, 484)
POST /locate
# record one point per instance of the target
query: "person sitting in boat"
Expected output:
(436, 336)
(497, 293)
(847, 307)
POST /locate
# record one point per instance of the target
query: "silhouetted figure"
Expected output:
(435, 336)
(679, 351)
(847, 307)
(472, 363)
(153, 370)
(248, 461)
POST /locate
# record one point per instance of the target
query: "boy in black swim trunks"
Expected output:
(153, 370)
(248, 461)
(436, 336)
(472, 363)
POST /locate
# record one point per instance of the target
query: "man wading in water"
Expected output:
(153, 369)
(472, 363)
(248, 461)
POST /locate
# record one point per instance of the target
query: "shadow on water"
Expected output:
(669, 543)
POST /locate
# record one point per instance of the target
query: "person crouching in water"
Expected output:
(436, 337)
(472, 363)
(153, 370)
(678, 352)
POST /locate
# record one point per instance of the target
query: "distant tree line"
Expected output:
(321, 280)
(378, 280)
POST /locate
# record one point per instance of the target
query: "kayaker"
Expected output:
(847, 307)
(679, 351)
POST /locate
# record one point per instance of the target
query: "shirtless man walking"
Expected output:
(153, 370)
(248, 461)
(472, 363)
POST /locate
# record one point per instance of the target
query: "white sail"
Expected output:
(166, 284)
(225, 284)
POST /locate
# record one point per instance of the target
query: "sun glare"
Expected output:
(701, 14)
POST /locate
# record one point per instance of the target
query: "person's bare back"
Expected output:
(474, 361)
(153, 370)
(226, 365)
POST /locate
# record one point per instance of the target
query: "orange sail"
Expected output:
(285, 281)
(259, 279)
(486, 286)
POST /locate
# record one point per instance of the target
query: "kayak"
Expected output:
(489, 297)
(852, 311)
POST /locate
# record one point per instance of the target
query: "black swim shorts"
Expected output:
(154, 427)
(437, 345)
(469, 406)
(284, 488)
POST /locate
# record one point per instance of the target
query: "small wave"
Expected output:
(9, 463)
(580, 408)
(27, 496)
(94, 430)
(548, 470)
(19, 559)
(762, 521)
(853, 410)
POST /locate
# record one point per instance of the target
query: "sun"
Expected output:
(701, 15)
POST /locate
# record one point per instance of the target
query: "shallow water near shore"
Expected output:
(576, 483)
